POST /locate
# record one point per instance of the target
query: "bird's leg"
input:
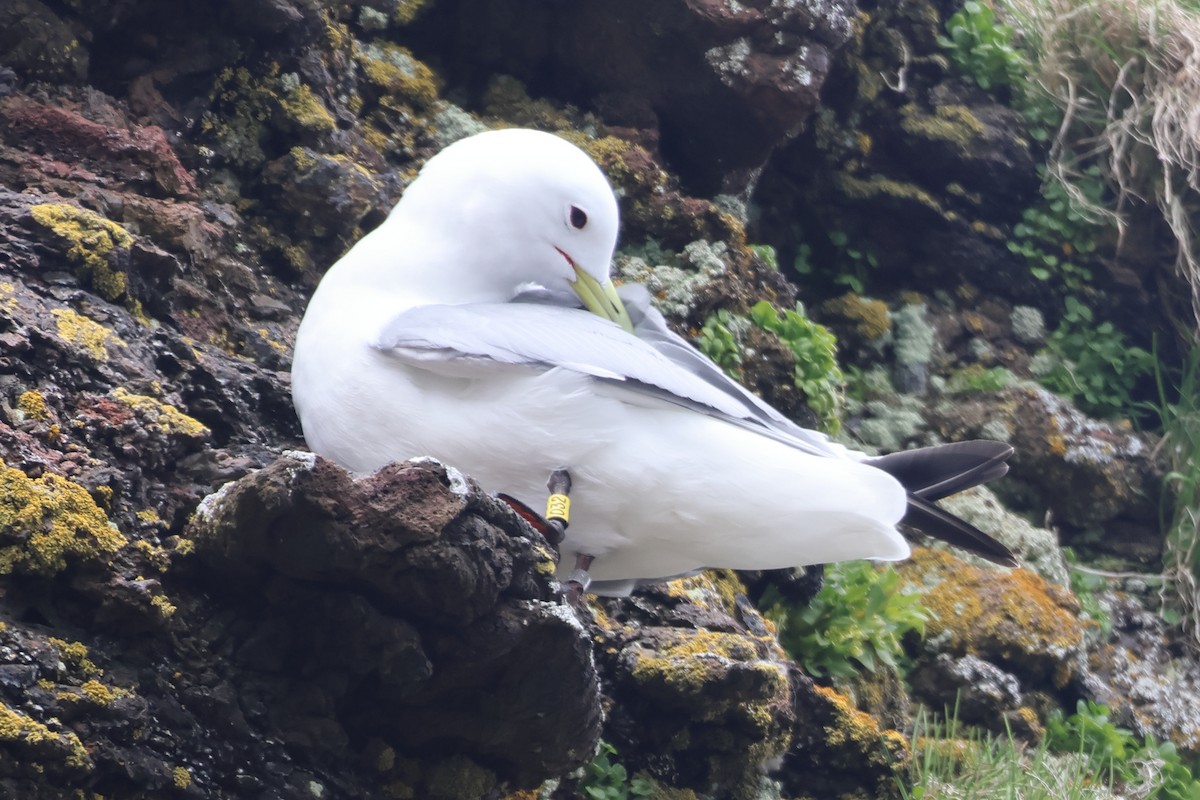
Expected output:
(579, 579)
(558, 512)
(558, 504)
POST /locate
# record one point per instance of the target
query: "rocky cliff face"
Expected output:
(173, 180)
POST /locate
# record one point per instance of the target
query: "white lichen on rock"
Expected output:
(1036, 547)
(674, 288)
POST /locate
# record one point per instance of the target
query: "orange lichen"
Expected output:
(1014, 618)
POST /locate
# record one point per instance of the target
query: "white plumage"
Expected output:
(453, 331)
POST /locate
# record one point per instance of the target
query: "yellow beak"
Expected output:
(600, 298)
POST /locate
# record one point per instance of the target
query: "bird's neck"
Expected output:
(410, 267)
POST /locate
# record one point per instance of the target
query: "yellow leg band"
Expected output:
(558, 506)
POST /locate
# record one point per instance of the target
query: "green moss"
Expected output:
(16, 727)
(953, 123)
(90, 238)
(85, 334)
(47, 522)
(166, 416)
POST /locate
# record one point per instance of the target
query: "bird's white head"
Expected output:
(522, 210)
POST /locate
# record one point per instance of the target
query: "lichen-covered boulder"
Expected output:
(1014, 619)
(700, 691)
(1099, 480)
(1141, 674)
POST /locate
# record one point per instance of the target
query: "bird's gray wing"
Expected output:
(651, 328)
(454, 339)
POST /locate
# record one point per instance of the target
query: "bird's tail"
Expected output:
(931, 473)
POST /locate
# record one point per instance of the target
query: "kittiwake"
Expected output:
(478, 324)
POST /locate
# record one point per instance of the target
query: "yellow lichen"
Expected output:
(90, 238)
(395, 71)
(879, 187)
(165, 607)
(17, 727)
(93, 692)
(75, 655)
(86, 334)
(1014, 617)
(870, 318)
(169, 418)
(49, 521)
(952, 123)
(158, 556)
(8, 296)
(33, 405)
(407, 10)
(149, 516)
(304, 108)
(181, 777)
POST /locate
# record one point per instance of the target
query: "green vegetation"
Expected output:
(952, 762)
(718, 341)
(1084, 756)
(856, 264)
(856, 621)
(1143, 768)
(1093, 363)
(815, 351)
(983, 48)
(1085, 585)
(1181, 489)
(1056, 235)
(976, 378)
(766, 253)
(605, 779)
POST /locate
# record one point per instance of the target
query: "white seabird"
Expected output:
(479, 325)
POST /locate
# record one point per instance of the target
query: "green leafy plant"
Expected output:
(983, 48)
(855, 622)
(1093, 364)
(605, 779)
(1180, 505)
(1153, 768)
(765, 252)
(856, 263)
(718, 341)
(1056, 236)
(814, 349)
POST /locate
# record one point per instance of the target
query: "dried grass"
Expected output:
(1126, 76)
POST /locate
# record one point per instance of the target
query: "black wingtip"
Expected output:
(939, 523)
(942, 470)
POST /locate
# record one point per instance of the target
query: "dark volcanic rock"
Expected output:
(725, 82)
(406, 600)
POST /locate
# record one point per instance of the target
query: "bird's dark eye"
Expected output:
(578, 218)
